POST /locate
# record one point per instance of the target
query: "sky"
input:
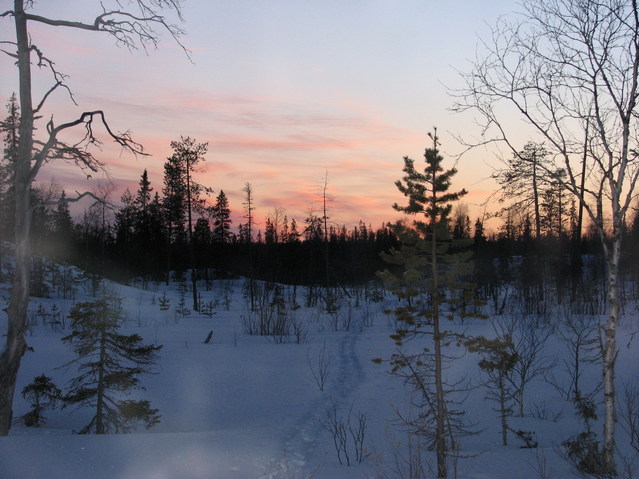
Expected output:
(287, 93)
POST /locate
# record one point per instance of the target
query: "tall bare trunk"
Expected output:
(440, 419)
(502, 410)
(17, 312)
(99, 413)
(196, 306)
(609, 347)
(536, 198)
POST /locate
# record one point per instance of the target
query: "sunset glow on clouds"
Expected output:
(284, 92)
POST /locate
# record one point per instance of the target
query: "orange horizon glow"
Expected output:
(280, 102)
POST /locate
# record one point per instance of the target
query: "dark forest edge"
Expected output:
(134, 249)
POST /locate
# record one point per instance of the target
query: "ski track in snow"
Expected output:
(300, 442)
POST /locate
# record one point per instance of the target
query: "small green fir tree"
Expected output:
(42, 394)
(110, 364)
(498, 361)
(428, 274)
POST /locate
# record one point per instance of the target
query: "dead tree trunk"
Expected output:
(15, 344)
(127, 29)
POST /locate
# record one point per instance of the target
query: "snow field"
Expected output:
(245, 407)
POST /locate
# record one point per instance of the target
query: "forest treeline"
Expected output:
(181, 225)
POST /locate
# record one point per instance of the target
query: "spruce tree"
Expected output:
(148, 229)
(498, 362)
(428, 275)
(183, 194)
(522, 181)
(173, 210)
(125, 219)
(109, 364)
(9, 128)
(143, 196)
(221, 219)
(62, 225)
(43, 394)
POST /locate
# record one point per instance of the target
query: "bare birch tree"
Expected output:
(570, 70)
(134, 24)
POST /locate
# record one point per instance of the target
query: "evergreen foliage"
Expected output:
(109, 364)
(221, 219)
(9, 128)
(498, 362)
(523, 179)
(430, 278)
(42, 394)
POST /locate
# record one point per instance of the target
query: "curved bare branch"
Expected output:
(128, 29)
(78, 152)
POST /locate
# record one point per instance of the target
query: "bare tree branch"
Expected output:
(128, 29)
(566, 67)
(78, 152)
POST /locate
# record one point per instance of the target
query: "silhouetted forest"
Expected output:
(539, 252)
(144, 240)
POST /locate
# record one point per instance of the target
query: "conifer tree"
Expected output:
(125, 219)
(498, 362)
(173, 210)
(109, 364)
(187, 155)
(522, 181)
(62, 225)
(157, 234)
(43, 394)
(293, 235)
(148, 228)
(143, 196)
(249, 212)
(428, 277)
(202, 233)
(221, 219)
(9, 128)
(38, 145)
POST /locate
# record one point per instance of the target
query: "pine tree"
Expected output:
(498, 362)
(187, 155)
(9, 127)
(270, 234)
(202, 233)
(173, 210)
(62, 225)
(221, 219)
(142, 225)
(285, 231)
(42, 394)
(249, 212)
(157, 235)
(109, 365)
(293, 235)
(143, 196)
(148, 229)
(522, 181)
(428, 277)
(125, 221)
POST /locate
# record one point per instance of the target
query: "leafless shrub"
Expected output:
(540, 464)
(272, 317)
(337, 428)
(341, 429)
(629, 413)
(578, 333)
(543, 413)
(528, 339)
(320, 368)
(407, 458)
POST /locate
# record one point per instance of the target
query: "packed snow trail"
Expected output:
(300, 442)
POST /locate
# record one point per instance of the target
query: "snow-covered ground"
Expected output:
(247, 407)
